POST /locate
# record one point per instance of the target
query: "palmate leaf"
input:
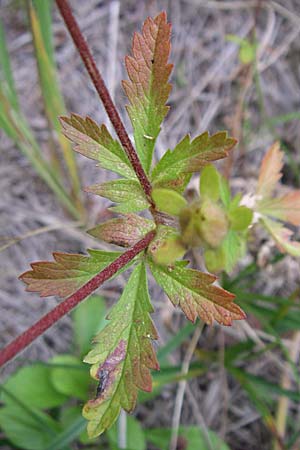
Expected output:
(67, 273)
(122, 356)
(147, 88)
(128, 193)
(175, 167)
(285, 208)
(281, 236)
(95, 142)
(270, 171)
(195, 294)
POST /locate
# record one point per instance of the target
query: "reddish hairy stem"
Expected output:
(49, 319)
(104, 95)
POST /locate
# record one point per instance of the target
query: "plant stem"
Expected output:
(104, 95)
(49, 319)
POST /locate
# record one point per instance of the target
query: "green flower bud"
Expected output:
(167, 246)
(212, 223)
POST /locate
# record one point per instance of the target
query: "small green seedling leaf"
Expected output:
(121, 361)
(168, 201)
(147, 88)
(33, 385)
(124, 231)
(193, 291)
(128, 193)
(96, 143)
(175, 167)
(67, 273)
(25, 431)
(71, 382)
(247, 52)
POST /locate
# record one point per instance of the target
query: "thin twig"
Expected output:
(114, 13)
(224, 385)
(104, 95)
(45, 229)
(49, 319)
(122, 430)
(283, 403)
(199, 417)
(218, 4)
(182, 387)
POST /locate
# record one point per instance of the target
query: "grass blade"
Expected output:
(27, 410)
(175, 342)
(6, 74)
(16, 127)
(68, 435)
(40, 20)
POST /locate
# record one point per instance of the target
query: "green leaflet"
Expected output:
(67, 273)
(147, 88)
(128, 193)
(240, 217)
(124, 231)
(96, 143)
(168, 200)
(227, 255)
(195, 294)
(175, 167)
(122, 355)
